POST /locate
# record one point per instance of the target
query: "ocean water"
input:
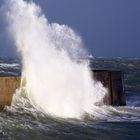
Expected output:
(22, 121)
(58, 98)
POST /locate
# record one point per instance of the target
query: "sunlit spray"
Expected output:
(56, 82)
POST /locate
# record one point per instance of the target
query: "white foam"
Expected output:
(56, 83)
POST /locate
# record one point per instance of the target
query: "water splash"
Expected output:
(56, 83)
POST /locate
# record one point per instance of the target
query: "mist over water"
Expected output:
(56, 82)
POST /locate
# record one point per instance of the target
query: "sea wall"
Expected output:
(8, 86)
(112, 80)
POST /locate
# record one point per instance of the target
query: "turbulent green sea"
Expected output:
(22, 121)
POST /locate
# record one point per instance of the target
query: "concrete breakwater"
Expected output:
(112, 80)
(8, 86)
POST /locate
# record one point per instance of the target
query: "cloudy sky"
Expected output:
(109, 28)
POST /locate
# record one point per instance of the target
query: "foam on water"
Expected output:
(56, 82)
